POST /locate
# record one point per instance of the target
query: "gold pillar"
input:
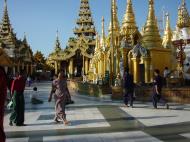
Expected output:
(83, 63)
(136, 69)
(118, 63)
(98, 67)
(105, 64)
(56, 68)
(71, 67)
(86, 65)
(147, 69)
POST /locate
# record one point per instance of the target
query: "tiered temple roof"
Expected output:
(167, 39)
(85, 35)
(6, 32)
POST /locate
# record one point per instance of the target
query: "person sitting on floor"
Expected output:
(34, 96)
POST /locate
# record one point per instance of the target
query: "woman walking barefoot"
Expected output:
(60, 90)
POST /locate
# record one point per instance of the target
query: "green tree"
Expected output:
(39, 60)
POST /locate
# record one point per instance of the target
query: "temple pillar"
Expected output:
(27, 69)
(136, 69)
(56, 68)
(83, 64)
(71, 66)
(86, 65)
(118, 62)
(146, 61)
(31, 69)
(105, 65)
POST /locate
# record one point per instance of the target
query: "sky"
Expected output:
(40, 19)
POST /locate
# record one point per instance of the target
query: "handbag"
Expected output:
(10, 105)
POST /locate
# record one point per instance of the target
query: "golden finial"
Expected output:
(129, 19)
(25, 35)
(103, 34)
(114, 21)
(103, 30)
(57, 33)
(5, 5)
(151, 36)
(167, 38)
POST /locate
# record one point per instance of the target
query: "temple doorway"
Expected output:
(142, 73)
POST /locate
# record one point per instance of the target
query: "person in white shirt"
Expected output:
(166, 72)
(34, 95)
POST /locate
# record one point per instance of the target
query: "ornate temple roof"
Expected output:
(85, 36)
(11, 45)
(151, 37)
(183, 16)
(139, 51)
(6, 32)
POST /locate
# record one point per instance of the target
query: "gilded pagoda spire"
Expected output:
(151, 36)
(129, 22)
(167, 39)
(103, 39)
(115, 27)
(183, 16)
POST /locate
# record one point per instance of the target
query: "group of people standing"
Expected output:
(129, 87)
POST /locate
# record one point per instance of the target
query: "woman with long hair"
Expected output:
(60, 90)
(3, 93)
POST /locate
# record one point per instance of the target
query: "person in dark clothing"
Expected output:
(3, 93)
(157, 89)
(17, 92)
(129, 88)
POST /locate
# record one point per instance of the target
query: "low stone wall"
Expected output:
(179, 95)
(89, 89)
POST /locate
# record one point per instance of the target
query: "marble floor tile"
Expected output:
(136, 136)
(17, 140)
(186, 135)
(155, 117)
(43, 120)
